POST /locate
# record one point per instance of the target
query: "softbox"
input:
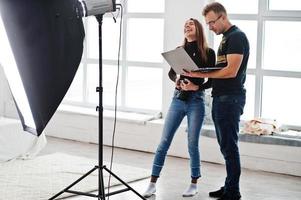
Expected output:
(43, 52)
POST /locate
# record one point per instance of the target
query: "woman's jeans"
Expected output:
(226, 112)
(194, 109)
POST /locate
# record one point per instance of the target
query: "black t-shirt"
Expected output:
(192, 49)
(234, 41)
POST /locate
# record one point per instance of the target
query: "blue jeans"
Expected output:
(194, 109)
(226, 112)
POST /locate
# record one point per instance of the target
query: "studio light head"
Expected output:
(96, 7)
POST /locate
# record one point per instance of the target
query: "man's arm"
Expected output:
(230, 71)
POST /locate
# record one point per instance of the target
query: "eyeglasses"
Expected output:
(211, 23)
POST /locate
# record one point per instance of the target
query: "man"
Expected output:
(228, 94)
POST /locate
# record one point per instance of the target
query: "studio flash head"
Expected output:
(96, 7)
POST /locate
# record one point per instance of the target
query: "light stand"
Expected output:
(101, 189)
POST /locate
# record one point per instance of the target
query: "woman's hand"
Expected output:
(178, 83)
(187, 85)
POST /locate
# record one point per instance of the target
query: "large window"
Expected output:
(274, 70)
(140, 81)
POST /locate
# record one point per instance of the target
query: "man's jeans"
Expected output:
(226, 112)
(194, 109)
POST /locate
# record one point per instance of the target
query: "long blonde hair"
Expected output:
(200, 39)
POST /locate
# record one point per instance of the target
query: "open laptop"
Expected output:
(180, 61)
(207, 69)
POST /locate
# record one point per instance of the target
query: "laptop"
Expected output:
(180, 61)
(207, 69)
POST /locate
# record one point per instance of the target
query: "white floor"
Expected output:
(255, 185)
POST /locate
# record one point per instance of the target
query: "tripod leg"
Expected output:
(124, 183)
(101, 187)
(74, 183)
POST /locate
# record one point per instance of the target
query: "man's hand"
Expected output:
(194, 74)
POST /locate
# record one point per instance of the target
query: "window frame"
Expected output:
(124, 63)
(263, 15)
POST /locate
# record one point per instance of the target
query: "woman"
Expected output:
(188, 100)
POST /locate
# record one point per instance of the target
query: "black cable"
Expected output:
(116, 91)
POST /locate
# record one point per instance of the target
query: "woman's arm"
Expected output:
(172, 75)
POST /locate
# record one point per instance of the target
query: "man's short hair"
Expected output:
(215, 7)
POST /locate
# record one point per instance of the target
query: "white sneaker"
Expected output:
(151, 189)
(191, 190)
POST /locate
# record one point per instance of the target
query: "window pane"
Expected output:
(250, 29)
(110, 38)
(285, 5)
(282, 45)
(146, 6)
(75, 92)
(144, 88)
(109, 83)
(281, 100)
(241, 6)
(145, 40)
(216, 41)
(92, 83)
(250, 98)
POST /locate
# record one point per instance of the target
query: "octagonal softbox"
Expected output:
(41, 48)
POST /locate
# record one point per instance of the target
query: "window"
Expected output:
(75, 93)
(144, 86)
(145, 6)
(282, 45)
(108, 81)
(273, 28)
(143, 43)
(110, 36)
(281, 99)
(141, 63)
